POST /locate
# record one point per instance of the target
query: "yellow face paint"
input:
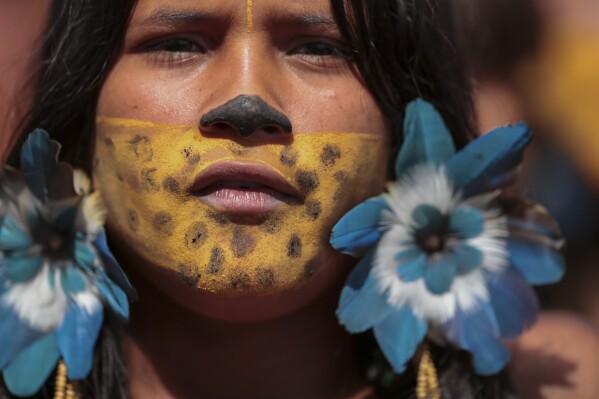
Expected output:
(250, 15)
(145, 171)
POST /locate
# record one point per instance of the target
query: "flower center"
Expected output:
(55, 244)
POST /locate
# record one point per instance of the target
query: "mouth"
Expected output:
(244, 188)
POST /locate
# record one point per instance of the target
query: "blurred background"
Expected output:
(536, 60)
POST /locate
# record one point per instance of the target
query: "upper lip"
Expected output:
(249, 172)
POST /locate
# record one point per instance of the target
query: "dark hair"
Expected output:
(403, 49)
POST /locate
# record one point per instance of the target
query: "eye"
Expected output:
(173, 50)
(322, 49)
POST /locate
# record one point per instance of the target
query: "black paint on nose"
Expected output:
(247, 114)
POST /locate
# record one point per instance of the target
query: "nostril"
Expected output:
(272, 129)
(246, 115)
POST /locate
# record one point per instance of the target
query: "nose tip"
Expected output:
(246, 115)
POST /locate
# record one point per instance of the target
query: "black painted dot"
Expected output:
(294, 248)
(307, 180)
(119, 177)
(190, 274)
(142, 148)
(242, 243)
(265, 277)
(217, 259)
(163, 223)
(132, 219)
(220, 218)
(196, 235)
(240, 280)
(191, 155)
(271, 224)
(340, 176)
(109, 143)
(289, 156)
(330, 154)
(148, 180)
(313, 209)
(171, 185)
(309, 271)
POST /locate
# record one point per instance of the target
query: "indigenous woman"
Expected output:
(227, 139)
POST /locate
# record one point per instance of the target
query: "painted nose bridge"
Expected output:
(247, 101)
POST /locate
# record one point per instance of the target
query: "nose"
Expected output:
(245, 114)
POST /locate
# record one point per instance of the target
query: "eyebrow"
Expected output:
(172, 17)
(305, 19)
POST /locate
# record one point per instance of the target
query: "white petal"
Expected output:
(91, 214)
(81, 182)
(36, 303)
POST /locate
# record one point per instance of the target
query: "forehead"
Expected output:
(232, 10)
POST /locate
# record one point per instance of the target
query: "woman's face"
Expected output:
(231, 136)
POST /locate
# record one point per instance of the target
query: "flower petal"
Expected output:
(439, 274)
(85, 256)
(514, 302)
(15, 334)
(398, 336)
(359, 228)
(72, 280)
(113, 294)
(490, 155)
(28, 372)
(412, 269)
(21, 268)
(467, 222)
(426, 138)
(467, 258)
(539, 264)
(477, 332)
(46, 178)
(77, 337)
(427, 215)
(361, 304)
(111, 266)
(14, 236)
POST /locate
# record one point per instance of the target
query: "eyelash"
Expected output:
(173, 50)
(177, 50)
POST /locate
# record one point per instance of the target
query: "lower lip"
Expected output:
(243, 200)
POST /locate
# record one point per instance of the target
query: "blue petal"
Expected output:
(359, 228)
(487, 157)
(467, 222)
(539, 264)
(72, 279)
(111, 266)
(398, 336)
(477, 332)
(84, 255)
(28, 372)
(467, 258)
(426, 138)
(113, 294)
(77, 337)
(439, 275)
(413, 269)
(427, 215)
(513, 301)
(21, 268)
(15, 335)
(14, 236)
(361, 306)
(39, 163)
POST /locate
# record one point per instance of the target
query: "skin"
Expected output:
(235, 332)
(195, 336)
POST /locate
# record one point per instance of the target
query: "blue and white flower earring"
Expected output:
(57, 276)
(447, 252)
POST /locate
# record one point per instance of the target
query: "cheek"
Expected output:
(144, 172)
